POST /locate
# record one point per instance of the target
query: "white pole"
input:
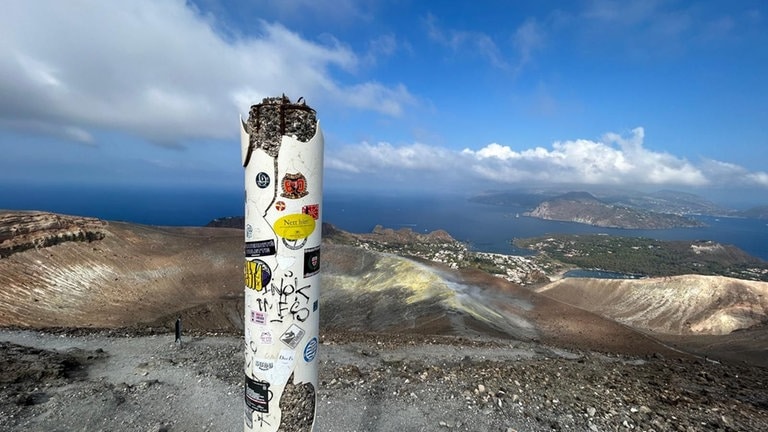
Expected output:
(282, 152)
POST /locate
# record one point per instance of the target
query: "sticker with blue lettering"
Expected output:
(310, 351)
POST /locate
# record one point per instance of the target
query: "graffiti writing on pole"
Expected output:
(285, 298)
(282, 153)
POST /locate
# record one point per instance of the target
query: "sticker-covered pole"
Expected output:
(282, 152)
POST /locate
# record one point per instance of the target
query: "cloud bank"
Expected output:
(159, 70)
(620, 160)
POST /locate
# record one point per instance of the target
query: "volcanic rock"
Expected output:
(20, 231)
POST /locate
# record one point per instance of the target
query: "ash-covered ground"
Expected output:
(73, 380)
(86, 342)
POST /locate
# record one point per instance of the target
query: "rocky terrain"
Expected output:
(112, 380)
(406, 344)
(20, 231)
(582, 207)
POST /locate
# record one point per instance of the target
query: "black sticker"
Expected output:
(262, 180)
(260, 248)
(257, 395)
(311, 261)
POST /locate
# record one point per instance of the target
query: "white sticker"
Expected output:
(265, 336)
(283, 366)
(261, 365)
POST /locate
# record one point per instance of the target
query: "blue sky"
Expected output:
(411, 95)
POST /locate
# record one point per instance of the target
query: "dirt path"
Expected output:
(109, 381)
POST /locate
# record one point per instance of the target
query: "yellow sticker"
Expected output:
(257, 274)
(294, 226)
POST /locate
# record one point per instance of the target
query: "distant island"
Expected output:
(760, 212)
(582, 207)
(227, 222)
(648, 257)
(663, 201)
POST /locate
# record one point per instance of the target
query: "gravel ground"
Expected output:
(117, 381)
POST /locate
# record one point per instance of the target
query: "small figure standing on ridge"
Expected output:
(178, 331)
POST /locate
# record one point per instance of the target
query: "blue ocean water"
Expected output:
(490, 228)
(485, 227)
(173, 207)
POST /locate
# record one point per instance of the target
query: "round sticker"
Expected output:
(294, 226)
(262, 180)
(257, 274)
(310, 351)
(295, 244)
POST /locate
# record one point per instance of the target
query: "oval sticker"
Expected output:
(257, 274)
(294, 226)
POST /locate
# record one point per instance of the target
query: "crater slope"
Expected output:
(133, 275)
(679, 305)
(144, 276)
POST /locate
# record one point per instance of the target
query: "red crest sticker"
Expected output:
(312, 210)
(294, 186)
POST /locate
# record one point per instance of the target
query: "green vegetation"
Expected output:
(483, 263)
(649, 257)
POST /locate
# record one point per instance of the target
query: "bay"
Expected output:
(491, 228)
(484, 227)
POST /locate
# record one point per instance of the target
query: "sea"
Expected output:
(484, 227)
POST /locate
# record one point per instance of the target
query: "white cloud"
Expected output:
(389, 100)
(384, 157)
(463, 42)
(528, 38)
(381, 47)
(159, 70)
(493, 150)
(758, 178)
(732, 174)
(613, 160)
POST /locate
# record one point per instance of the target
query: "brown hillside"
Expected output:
(146, 276)
(680, 305)
(133, 275)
